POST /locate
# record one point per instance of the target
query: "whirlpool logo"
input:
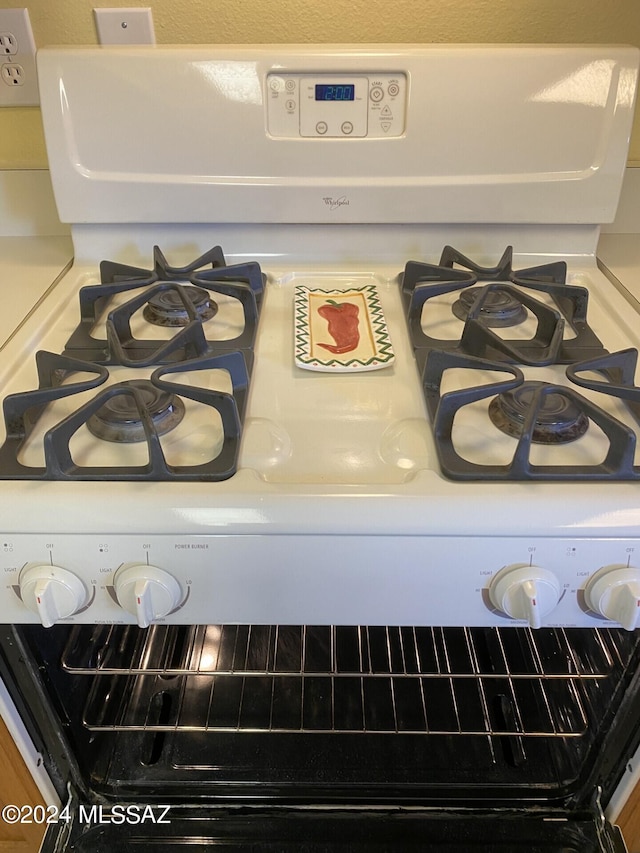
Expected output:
(334, 203)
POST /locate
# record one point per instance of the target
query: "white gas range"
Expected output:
(280, 484)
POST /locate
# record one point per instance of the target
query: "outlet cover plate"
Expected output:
(125, 26)
(18, 60)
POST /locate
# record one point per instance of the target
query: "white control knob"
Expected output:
(52, 592)
(149, 593)
(614, 592)
(525, 592)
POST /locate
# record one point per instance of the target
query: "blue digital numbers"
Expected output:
(335, 92)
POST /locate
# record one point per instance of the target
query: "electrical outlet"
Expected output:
(8, 44)
(125, 26)
(12, 74)
(18, 78)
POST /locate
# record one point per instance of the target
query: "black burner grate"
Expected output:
(125, 406)
(188, 341)
(531, 412)
(618, 370)
(22, 411)
(422, 282)
(210, 273)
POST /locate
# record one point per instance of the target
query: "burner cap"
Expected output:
(501, 308)
(119, 419)
(559, 420)
(165, 308)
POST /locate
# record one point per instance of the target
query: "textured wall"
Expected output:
(262, 21)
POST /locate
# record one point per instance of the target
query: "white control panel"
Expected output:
(297, 579)
(336, 106)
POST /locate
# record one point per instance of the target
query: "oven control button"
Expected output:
(149, 593)
(525, 592)
(51, 592)
(614, 592)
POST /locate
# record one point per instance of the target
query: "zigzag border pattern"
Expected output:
(384, 355)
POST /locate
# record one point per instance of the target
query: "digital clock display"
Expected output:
(335, 92)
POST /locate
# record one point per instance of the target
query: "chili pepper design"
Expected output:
(343, 321)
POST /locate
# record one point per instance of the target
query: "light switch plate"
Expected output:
(125, 26)
(18, 77)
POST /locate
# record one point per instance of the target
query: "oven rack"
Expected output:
(341, 651)
(322, 705)
(461, 698)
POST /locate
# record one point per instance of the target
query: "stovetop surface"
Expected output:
(350, 436)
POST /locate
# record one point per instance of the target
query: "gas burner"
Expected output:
(188, 341)
(536, 413)
(122, 417)
(499, 309)
(558, 419)
(136, 410)
(166, 308)
(178, 297)
(499, 296)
